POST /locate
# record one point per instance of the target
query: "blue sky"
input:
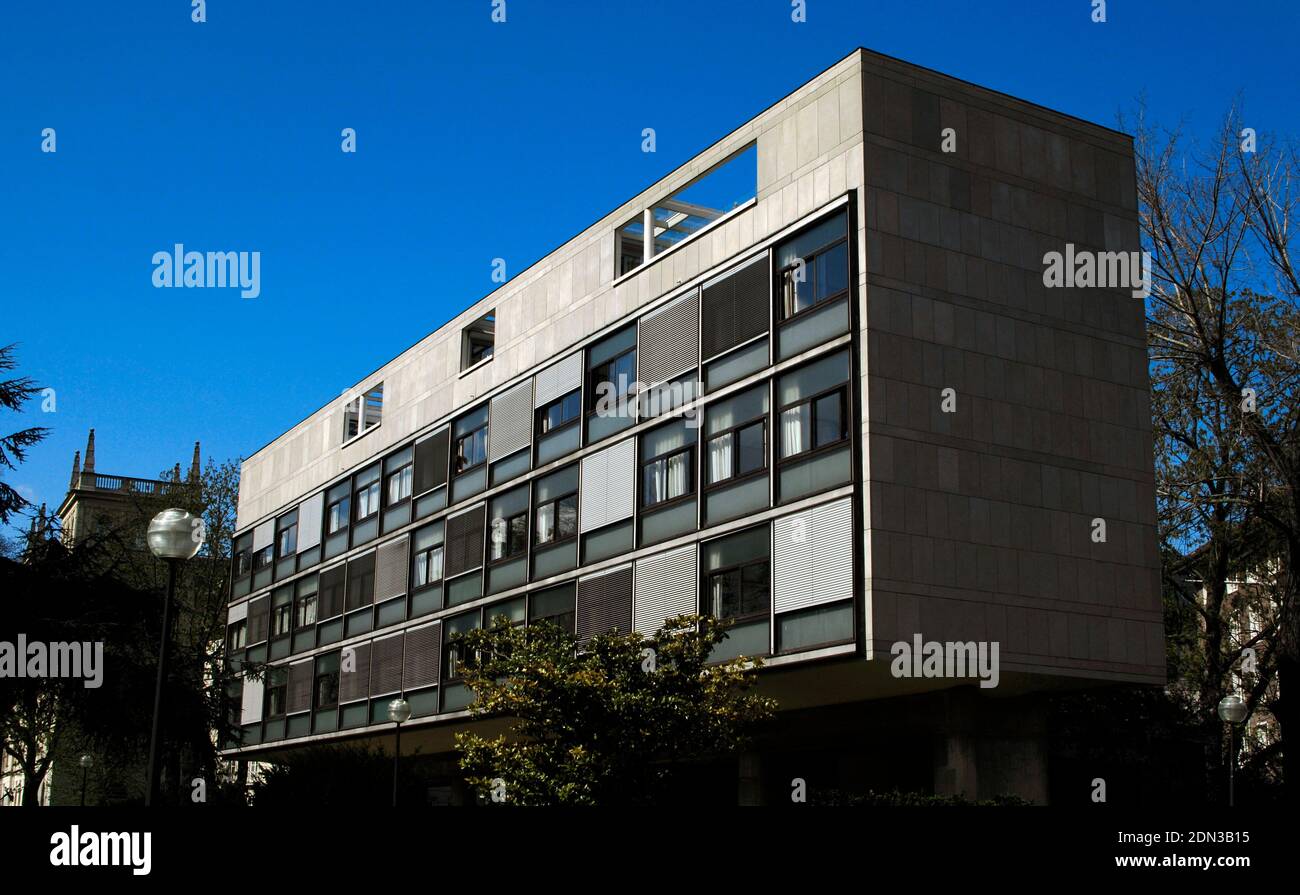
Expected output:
(475, 140)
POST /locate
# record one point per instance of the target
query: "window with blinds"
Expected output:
(670, 341)
(386, 665)
(812, 557)
(667, 585)
(464, 542)
(604, 603)
(354, 673)
(423, 651)
(390, 571)
(735, 308)
(298, 698)
(510, 425)
(431, 461)
(332, 583)
(259, 619)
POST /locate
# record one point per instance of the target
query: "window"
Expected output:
(400, 483)
(428, 566)
(327, 681)
(736, 429)
(555, 606)
(363, 413)
(612, 381)
(306, 611)
(287, 535)
(814, 423)
(739, 592)
(336, 516)
(471, 440)
(509, 537)
(509, 525)
(281, 611)
(667, 473)
(242, 558)
(478, 340)
(237, 636)
(367, 500)
(277, 691)
(361, 582)
(557, 520)
(813, 268)
(559, 413)
(263, 557)
(452, 627)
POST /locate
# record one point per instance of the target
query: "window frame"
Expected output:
(734, 434)
(781, 272)
(664, 456)
(317, 677)
(282, 674)
(593, 380)
(408, 470)
(706, 591)
(523, 551)
(428, 553)
(456, 454)
(300, 601)
(344, 505)
(541, 413)
(846, 427)
(241, 627)
(357, 491)
(555, 502)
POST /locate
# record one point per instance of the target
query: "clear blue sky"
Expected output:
(475, 140)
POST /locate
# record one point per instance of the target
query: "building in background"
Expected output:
(812, 380)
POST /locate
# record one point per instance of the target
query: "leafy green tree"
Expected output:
(14, 393)
(605, 721)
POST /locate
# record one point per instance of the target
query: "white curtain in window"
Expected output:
(677, 473)
(720, 459)
(792, 431)
(546, 524)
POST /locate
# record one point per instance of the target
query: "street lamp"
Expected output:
(85, 761)
(175, 536)
(399, 712)
(1233, 711)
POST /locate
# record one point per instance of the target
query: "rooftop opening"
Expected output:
(478, 340)
(726, 186)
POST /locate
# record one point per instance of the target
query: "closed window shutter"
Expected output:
(237, 613)
(510, 421)
(558, 380)
(608, 492)
(431, 461)
(355, 684)
(666, 586)
(390, 572)
(669, 341)
(298, 691)
(251, 701)
(604, 603)
(812, 557)
(361, 581)
(464, 550)
(423, 652)
(386, 666)
(310, 520)
(735, 308)
(330, 602)
(263, 535)
(259, 619)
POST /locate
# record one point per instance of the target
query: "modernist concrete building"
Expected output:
(892, 428)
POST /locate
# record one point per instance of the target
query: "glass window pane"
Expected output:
(832, 272)
(814, 378)
(567, 525)
(830, 419)
(753, 453)
(720, 463)
(796, 430)
(546, 523)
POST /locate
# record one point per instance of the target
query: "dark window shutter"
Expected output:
(386, 666)
(431, 462)
(669, 341)
(390, 571)
(361, 581)
(605, 603)
(464, 549)
(259, 619)
(330, 603)
(423, 650)
(298, 695)
(355, 684)
(736, 309)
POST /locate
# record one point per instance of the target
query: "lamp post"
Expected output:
(1233, 711)
(175, 536)
(399, 712)
(85, 761)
